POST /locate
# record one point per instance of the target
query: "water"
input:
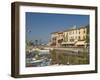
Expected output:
(62, 57)
(38, 58)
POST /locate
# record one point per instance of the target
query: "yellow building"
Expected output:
(70, 37)
(56, 39)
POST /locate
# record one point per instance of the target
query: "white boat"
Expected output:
(44, 52)
(36, 61)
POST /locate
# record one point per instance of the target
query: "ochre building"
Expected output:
(72, 37)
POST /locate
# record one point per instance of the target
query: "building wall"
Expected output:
(76, 34)
(71, 35)
(54, 39)
(82, 33)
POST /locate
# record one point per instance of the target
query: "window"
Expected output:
(83, 37)
(79, 38)
(76, 31)
(84, 31)
(76, 37)
(79, 32)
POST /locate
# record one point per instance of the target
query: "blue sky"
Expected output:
(40, 25)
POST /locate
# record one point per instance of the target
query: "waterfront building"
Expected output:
(56, 39)
(70, 37)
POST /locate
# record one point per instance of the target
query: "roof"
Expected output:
(75, 28)
(58, 32)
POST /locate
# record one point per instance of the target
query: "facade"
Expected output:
(56, 39)
(70, 37)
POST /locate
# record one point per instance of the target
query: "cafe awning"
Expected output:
(80, 43)
(67, 42)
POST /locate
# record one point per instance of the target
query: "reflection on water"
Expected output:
(38, 58)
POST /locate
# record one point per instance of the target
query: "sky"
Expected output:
(39, 26)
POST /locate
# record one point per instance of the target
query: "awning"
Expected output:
(80, 43)
(67, 42)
